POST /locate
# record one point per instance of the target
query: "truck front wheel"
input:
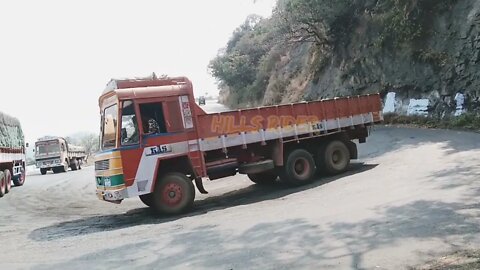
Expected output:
(174, 194)
(299, 169)
(264, 178)
(334, 158)
(43, 171)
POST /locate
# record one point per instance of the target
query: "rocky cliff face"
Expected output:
(441, 61)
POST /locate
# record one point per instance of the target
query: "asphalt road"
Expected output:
(413, 196)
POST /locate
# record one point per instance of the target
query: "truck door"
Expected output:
(163, 136)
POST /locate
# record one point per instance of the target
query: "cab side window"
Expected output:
(153, 120)
(129, 133)
(174, 120)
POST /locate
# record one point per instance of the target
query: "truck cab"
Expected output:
(148, 127)
(49, 154)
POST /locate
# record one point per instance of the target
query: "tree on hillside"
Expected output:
(89, 141)
(312, 20)
(237, 66)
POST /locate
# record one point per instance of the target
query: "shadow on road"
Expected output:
(142, 216)
(385, 139)
(291, 243)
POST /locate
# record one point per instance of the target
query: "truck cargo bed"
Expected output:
(242, 127)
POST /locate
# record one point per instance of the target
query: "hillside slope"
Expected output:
(311, 49)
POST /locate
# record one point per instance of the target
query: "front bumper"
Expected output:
(49, 163)
(49, 166)
(114, 196)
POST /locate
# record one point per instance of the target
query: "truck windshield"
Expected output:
(50, 148)
(109, 131)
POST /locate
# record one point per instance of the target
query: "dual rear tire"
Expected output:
(300, 167)
(333, 157)
(8, 181)
(3, 184)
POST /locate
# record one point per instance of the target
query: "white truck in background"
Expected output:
(56, 154)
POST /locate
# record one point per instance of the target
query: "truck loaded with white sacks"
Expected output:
(12, 153)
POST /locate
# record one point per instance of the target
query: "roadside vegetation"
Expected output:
(461, 260)
(266, 59)
(468, 121)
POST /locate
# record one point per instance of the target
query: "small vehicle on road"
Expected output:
(201, 100)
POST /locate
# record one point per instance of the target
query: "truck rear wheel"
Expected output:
(334, 157)
(147, 199)
(43, 171)
(2, 184)
(8, 181)
(264, 178)
(299, 169)
(174, 194)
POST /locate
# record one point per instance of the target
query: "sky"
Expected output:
(56, 56)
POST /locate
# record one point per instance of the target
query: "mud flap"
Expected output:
(199, 185)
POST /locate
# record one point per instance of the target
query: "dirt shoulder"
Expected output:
(460, 260)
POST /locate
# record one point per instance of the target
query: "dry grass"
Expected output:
(461, 260)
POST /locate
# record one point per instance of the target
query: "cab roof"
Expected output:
(147, 87)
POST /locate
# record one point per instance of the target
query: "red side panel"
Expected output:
(234, 122)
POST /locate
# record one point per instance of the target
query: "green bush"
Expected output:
(468, 121)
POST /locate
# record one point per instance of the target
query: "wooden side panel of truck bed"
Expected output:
(261, 124)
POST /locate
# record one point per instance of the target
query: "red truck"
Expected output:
(12, 153)
(156, 141)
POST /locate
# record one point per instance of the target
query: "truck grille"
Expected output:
(102, 165)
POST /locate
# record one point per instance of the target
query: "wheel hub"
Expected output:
(172, 194)
(301, 167)
(336, 157)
